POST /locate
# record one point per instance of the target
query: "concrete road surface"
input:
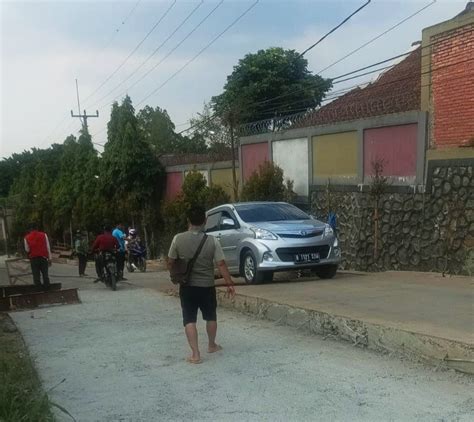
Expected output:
(122, 358)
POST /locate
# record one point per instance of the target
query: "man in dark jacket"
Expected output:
(39, 252)
(105, 242)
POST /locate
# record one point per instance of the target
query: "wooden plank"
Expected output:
(6, 291)
(34, 300)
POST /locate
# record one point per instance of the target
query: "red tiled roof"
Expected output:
(395, 91)
(183, 159)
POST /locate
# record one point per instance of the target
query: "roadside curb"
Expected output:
(415, 346)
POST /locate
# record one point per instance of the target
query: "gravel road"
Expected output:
(121, 356)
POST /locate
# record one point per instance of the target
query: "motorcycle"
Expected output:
(136, 257)
(109, 270)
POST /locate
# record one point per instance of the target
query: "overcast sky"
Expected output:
(45, 46)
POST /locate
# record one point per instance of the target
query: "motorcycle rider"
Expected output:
(119, 234)
(105, 242)
(132, 242)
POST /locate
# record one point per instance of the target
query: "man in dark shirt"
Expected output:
(105, 242)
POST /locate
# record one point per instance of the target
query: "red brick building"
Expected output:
(447, 86)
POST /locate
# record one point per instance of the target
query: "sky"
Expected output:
(47, 45)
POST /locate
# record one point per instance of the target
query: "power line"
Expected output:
(355, 71)
(342, 80)
(154, 52)
(172, 50)
(200, 52)
(335, 28)
(114, 34)
(133, 51)
(376, 38)
(123, 22)
(359, 48)
(378, 85)
(342, 92)
(197, 55)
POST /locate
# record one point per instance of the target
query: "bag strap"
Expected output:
(198, 251)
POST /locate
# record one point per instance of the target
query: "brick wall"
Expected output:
(452, 87)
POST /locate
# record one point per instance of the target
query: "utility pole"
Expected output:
(85, 116)
(235, 184)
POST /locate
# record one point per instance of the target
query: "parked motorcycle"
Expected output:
(136, 257)
(109, 270)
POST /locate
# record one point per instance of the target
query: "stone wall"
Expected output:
(432, 231)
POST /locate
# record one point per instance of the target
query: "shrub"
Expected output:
(268, 184)
(194, 192)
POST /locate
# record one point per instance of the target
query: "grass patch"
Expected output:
(21, 396)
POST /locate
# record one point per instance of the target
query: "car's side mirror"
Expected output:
(227, 223)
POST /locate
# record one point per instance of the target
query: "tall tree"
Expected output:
(156, 128)
(32, 191)
(267, 74)
(76, 201)
(212, 129)
(131, 175)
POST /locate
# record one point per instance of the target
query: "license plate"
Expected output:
(301, 258)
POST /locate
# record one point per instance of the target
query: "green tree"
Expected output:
(211, 129)
(131, 175)
(10, 169)
(267, 74)
(31, 193)
(194, 192)
(77, 201)
(156, 128)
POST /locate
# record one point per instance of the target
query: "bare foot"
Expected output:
(193, 360)
(214, 349)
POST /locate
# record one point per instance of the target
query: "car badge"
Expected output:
(303, 233)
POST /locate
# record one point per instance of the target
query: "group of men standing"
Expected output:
(38, 248)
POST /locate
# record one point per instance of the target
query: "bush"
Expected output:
(194, 192)
(268, 184)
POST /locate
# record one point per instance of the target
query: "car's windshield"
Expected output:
(255, 213)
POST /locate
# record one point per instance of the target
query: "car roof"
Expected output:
(233, 204)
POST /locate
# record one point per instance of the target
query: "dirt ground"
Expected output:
(119, 356)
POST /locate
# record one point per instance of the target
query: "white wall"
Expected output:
(292, 156)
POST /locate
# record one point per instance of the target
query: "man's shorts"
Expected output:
(194, 298)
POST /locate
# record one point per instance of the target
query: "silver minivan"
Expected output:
(259, 238)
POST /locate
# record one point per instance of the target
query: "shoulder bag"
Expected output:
(181, 269)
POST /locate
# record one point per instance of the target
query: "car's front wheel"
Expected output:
(250, 271)
(325, 271)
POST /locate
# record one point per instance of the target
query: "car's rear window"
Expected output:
(255, 213)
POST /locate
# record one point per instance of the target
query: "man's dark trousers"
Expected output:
(120, 263)
(82, 263)
(39, 267)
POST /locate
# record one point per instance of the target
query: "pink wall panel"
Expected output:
(174, 181)
(253, 155)
(396, 145)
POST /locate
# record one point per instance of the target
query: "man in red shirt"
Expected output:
(39, 253)
(105, 242)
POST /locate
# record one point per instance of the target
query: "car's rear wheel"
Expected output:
(325, 271)
(250, 270)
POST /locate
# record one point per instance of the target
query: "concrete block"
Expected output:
(277, 312)
(298, 318)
